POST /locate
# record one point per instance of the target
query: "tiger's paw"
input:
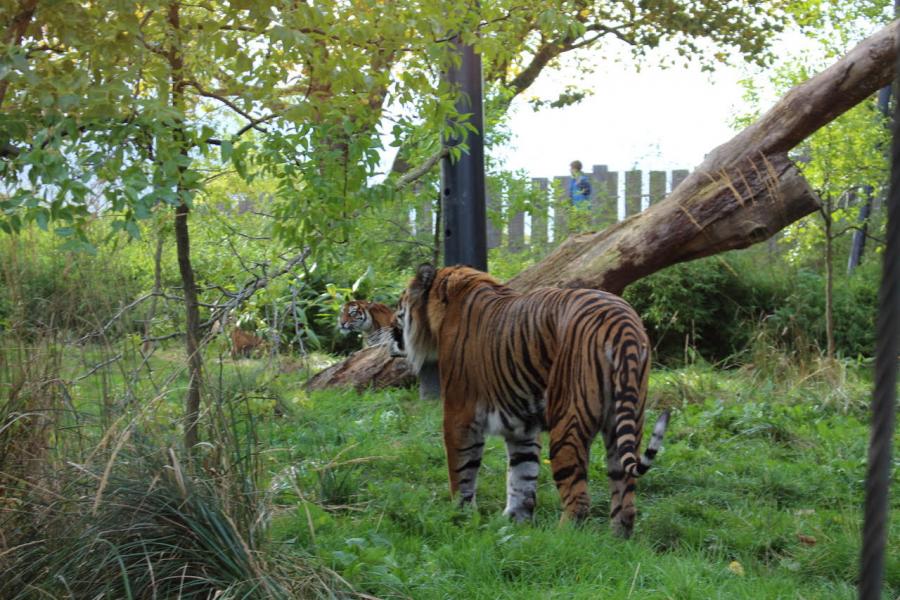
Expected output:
(520, 511)
(519, 515)
(466, 501)
(623, 523)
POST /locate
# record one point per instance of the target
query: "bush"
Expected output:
(44, 288)
(702, 304)
(718, 305)
(799, 316)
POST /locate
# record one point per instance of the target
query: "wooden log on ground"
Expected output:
(745, 191)
(369, 368)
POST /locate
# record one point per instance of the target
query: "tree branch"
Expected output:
(253, 286)
(15, 32)
(422, 170)
(862, 230)
(253, 121)
(98, 367)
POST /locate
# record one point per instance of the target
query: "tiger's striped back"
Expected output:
(575, 362)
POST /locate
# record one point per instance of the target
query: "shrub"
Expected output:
(799, 315)
(44, 288)
(702, 304)
(157, 532)
(718, 305)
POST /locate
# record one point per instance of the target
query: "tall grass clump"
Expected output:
(94, 499)
(126, 519)
(148, 530)
(30, 404)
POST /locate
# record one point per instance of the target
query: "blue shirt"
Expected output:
(580, 189)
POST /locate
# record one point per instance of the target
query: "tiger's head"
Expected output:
(355, 316)
(414, 329)
(423, 309)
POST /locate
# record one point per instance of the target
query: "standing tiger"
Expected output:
(571, 361)
(366, 317)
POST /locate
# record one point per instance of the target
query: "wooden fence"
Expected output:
(550, 211)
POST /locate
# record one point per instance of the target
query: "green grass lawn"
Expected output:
(757, 494)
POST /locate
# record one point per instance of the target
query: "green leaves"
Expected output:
(113, 105)
(847, 154)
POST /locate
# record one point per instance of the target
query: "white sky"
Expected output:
(651, 118)
(654, 118)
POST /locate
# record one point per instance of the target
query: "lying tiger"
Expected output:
(574, 362)
(368, 318)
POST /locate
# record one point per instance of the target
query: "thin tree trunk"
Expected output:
(192, 327)
(829, 280)
(183, 245)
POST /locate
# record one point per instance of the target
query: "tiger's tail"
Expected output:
(628, 400)
(659, 430)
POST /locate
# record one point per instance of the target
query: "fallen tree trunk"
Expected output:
(744, 192)
(710, 212)
(370, 367)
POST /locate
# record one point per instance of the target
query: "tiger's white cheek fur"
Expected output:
(414, 355)
(416, 352)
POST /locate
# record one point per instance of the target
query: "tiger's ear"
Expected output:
(425, 275)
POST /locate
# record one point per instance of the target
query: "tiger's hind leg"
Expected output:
(622, 432)
(524, 453)
(573, 419)
(622, 483)
(569, 457)
(464, 443)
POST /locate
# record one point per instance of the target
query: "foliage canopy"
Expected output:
(124, 106)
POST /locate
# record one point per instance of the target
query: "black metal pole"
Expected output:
(858, 244)
(462, 188)
(462, 180)
(884, 397)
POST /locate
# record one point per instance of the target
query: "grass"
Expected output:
(757, 493)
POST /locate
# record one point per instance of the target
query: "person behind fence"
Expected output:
(579, 185)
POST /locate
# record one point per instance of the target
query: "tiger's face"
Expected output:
(354, 316)
(412, 332)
